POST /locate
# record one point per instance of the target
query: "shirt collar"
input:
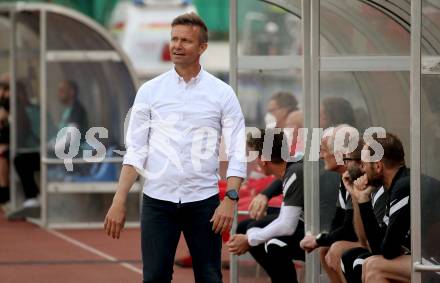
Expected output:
(194, 80)
(401, 172)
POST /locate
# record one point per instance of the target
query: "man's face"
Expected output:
(353, 165)
(374, 172)
(278, 112)
(326, 155)
(64, 93)
(185, 46)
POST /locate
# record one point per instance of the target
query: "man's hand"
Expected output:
(238, 244)
(362, 190)
(258, 206)
(223, 216)
(115, 219)
(348, 184)
(308, 243)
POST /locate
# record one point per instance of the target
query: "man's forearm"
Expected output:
(234, 183)
(126, 180)
(358, 225)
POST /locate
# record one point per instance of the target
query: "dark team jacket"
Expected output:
(341, 228)
(393, 238)
(293, 194)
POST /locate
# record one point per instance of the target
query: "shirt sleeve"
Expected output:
(274, 189)
(372, 229)
(290, 213)
(345, 231)
(379, 201)
(284, 225)
(137, 136)
(399, 221)
(233, 131)
(294, 193)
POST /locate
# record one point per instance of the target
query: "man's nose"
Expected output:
(178, 44)
(363, 167)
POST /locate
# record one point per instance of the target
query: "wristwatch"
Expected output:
(232, 194)
(319, 238)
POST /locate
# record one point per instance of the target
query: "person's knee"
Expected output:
(338, 248)
(332, 253)
(207, 272)
(372, 270)
(371, 276)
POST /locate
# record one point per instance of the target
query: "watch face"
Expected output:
(232, 194)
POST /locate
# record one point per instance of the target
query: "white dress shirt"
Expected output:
(174, 135)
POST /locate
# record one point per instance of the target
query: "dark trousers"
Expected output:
(26, 164)
(276, 256)
(161, 225)
(353, 270)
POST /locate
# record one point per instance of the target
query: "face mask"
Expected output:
(270, 121)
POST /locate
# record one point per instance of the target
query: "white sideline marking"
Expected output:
(92, 250)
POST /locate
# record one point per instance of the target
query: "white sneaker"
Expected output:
(32, 202)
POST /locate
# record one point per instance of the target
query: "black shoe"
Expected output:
(23, 212)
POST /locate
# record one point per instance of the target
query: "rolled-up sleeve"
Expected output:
(234, 134)
(136, 139)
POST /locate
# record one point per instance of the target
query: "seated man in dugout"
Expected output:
(379, 200)
(274, 240)
(259, 209)
(387, 258)
(341, 236)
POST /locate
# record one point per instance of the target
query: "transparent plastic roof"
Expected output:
(106, 82)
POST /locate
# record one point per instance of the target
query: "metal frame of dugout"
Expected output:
(84, 45)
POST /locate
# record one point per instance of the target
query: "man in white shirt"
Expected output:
(173, 138)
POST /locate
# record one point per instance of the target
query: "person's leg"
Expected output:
(381, 270)
(26, 165)
(322, 253)
(331, 274)
(4, 172)
(4, 179)
(204, 245)
(276, 256)
(160, 233)
(333, 257)
(351, 264)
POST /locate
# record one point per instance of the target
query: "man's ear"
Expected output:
(202, 47)
(379, 167)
